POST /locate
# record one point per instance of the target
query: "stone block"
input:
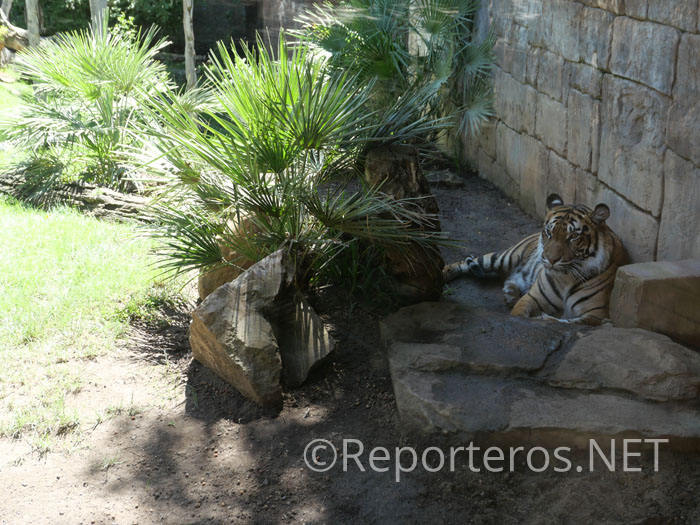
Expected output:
(487, 138)
(585, 78)
(551, 123)
(498, 379)
(550, 74)
(561, 178)
(613, 6)
(533, 176)
(633, 126)
(683, 125)
(515, 102)
(484, 164)
(595, 29)
(533, 64)
(508, 150)
(588, 188)
(682, 14)
(644, 52)
(659, 296)
(637, 230)
(470, 146)
(679, 237)
(636, 8)
(559, 29)
(582, 128)
(644, 363)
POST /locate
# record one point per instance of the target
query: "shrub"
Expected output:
(409, 46)
(76, 124)
(268, 152)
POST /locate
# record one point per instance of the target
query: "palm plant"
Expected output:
(87, 88)
(267, 153)
(406, 47)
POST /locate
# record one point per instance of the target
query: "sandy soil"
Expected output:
(187, 448)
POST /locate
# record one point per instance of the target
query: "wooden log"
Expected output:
(13, 37)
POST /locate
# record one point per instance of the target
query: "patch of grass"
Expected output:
(64, 281)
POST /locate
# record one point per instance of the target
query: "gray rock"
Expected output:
(301, 335)
(659, 296)
(497, 379)
(256, 329)
(657, 43)
(444, 178)
(635, 360)
(434, 336)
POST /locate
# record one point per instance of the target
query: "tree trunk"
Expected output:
(7, 7)
(16, 38)
(190, 71)
(98, 11)
(32, 13)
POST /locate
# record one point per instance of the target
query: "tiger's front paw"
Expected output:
(511, 294)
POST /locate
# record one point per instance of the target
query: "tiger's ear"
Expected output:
(600, 213)
(554, 200)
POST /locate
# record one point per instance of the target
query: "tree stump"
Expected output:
(417, 271)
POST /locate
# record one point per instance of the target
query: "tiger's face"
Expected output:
(570, 235)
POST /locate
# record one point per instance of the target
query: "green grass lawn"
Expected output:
(68, 286)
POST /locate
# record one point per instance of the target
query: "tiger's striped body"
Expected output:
(565, 272)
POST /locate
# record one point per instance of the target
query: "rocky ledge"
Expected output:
(490, 377)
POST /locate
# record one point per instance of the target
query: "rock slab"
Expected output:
(493, 378)
(660, 296)
(247, 333)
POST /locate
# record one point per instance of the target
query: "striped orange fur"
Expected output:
(565, 272)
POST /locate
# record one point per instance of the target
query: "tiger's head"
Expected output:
(570, 236)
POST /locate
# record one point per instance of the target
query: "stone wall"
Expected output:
(599, 101)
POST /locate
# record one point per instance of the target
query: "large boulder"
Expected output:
(236, 263)
(417, 271)
(660, 296)
(494, 378)
(257, 330)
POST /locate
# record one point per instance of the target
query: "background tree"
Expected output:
(98, 10)
(32, 13)
(6, 7)
(190, 71)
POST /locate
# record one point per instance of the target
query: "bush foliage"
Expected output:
(78, 121)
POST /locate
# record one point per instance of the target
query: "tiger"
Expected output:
(564, 273)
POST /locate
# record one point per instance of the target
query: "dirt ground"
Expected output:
(203, 454)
